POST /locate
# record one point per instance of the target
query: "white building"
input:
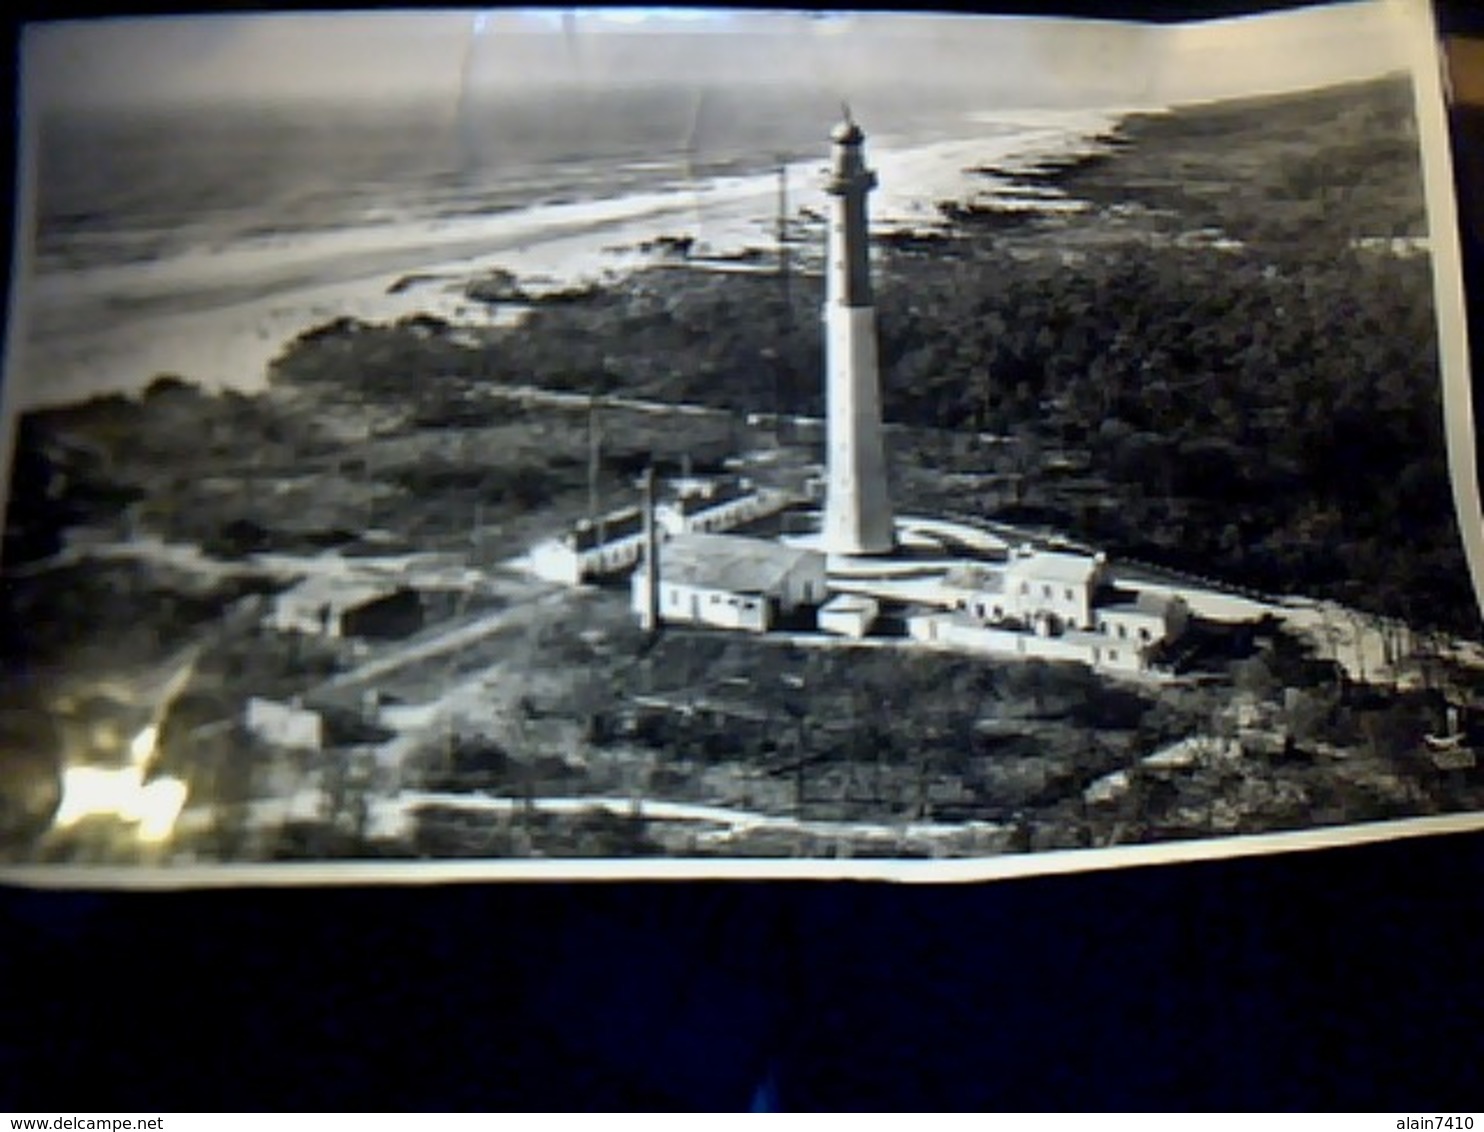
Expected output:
(288, 725)
(1054, 605)
(961, 632)
(1047, 591)
(849, 615)
(1142, 619)
(1054, 589)
(732, 582)
(710, 505)
(590, 550)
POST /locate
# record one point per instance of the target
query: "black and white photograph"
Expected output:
(656, 438)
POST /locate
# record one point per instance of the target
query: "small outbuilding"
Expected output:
(336, 607)
(849, 615)
(1143, 619)
(288, 725)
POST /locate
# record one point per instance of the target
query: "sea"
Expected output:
(137, 186)
(144, 214)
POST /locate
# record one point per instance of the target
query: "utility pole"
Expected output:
(785, 283)
(782, 236)
(368, 472)
(650, 617)
(803, 755)
(594, 463)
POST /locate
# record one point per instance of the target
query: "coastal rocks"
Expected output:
(915, 239)
(415, 279)
(338, 328)
(424, 325)
(577, 293)
(676, 247)
(982, 215)
(496, 286)
(746, 255)
(168, 387)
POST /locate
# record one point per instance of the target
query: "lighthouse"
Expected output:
(857, 517)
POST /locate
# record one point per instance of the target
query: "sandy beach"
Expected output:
(216, 315)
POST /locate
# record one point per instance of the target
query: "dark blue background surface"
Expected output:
(1329, 980)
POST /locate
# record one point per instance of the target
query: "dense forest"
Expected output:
(1264, 400)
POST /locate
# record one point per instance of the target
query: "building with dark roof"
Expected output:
(334, 606)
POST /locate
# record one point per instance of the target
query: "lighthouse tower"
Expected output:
(857, 517)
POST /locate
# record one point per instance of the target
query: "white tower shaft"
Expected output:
(858, 515)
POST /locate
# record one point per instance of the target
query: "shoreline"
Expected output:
(217, 318)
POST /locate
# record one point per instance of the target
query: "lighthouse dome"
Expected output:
(847, 133)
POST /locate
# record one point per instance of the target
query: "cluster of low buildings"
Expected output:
(1055, 605)
(1052, 604)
